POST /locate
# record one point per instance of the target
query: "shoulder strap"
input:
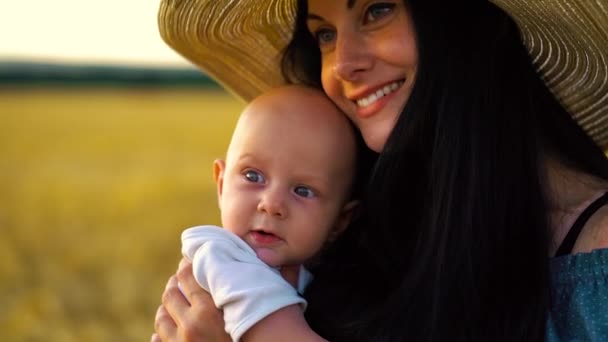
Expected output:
(568, 244)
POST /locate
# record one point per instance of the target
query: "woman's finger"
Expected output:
(205, 322)
(174, 301)
(164, 326)
(187, 283)
(189, 313)
(183, 263)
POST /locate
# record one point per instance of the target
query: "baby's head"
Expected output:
(285, 186)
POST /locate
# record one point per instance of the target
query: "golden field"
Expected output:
(96, 186)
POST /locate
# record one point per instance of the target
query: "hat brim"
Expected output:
(239, 42)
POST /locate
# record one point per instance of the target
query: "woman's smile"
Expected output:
(376, 98)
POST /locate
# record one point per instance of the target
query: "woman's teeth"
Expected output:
(387, 89)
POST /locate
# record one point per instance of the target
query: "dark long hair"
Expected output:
(452, 243)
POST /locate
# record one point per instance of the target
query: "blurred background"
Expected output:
(107, 138)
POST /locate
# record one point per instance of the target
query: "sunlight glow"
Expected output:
(89, 31)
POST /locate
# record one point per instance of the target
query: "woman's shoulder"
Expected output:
(579, 297)
(595, 234)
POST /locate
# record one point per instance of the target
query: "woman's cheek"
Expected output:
(331, 84)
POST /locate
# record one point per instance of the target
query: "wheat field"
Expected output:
(96, 186)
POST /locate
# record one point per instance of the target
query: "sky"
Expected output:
(84, 31)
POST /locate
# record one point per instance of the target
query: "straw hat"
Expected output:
(238, 43)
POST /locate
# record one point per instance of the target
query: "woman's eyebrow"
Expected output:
(349, 5)
(314, 17)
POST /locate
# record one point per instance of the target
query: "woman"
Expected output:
(485, 215)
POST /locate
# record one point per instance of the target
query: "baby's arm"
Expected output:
(286, 324)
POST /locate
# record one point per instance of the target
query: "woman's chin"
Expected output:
(374, 142)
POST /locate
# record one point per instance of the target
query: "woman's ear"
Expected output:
(219, 166)
(343, 220)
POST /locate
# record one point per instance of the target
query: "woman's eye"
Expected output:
(324, 36)
(303, 191)
(254, 177)
(377, 11)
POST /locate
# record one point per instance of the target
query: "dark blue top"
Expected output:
(579, 303)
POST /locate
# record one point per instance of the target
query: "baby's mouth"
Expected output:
(263, 237)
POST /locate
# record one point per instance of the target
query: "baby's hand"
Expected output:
(291, 273)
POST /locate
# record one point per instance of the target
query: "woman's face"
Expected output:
(369, 60)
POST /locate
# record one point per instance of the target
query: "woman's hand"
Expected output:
(189, 314)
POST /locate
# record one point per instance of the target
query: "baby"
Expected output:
(284, 191)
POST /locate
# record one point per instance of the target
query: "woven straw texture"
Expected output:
(238, 43)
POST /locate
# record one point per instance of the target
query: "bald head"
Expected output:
(297, 122)
(300, 105)
(296, 111)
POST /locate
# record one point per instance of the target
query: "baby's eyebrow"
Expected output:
(246, 156)
(315, 181)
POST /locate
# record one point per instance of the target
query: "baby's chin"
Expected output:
(270, 257)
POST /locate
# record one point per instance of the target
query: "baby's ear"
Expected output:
(219, 167)
(343, 220)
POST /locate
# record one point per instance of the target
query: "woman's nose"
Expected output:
(272, 202)
(352, 56)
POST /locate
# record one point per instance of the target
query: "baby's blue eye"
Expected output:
(254, 177)
(304, 191)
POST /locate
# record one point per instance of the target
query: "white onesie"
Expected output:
(241, 284)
